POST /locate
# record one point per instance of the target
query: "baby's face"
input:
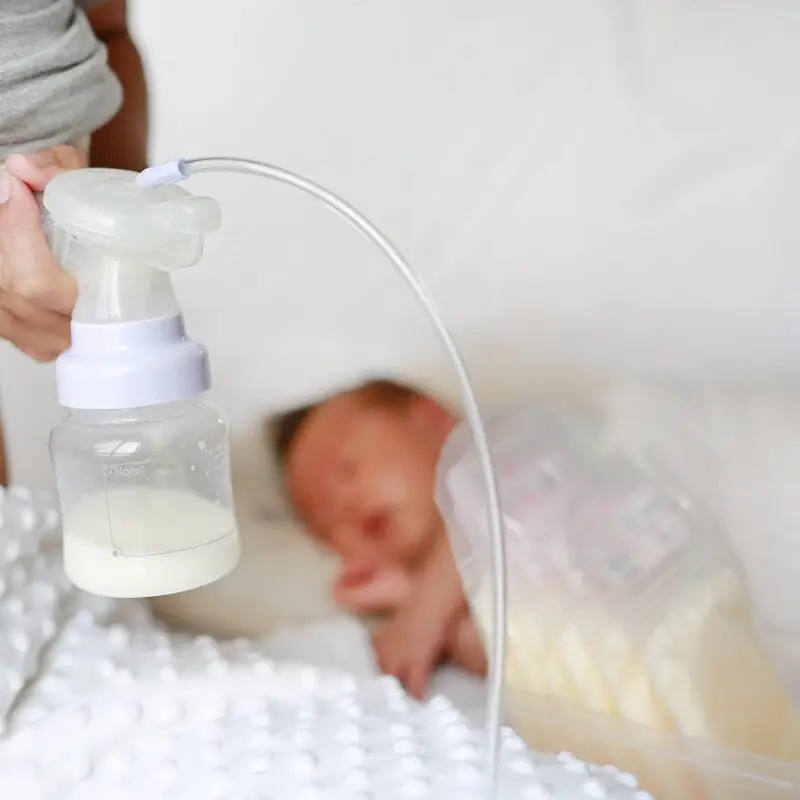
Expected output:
(362, 477)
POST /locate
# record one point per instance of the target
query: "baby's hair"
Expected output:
(283, 429)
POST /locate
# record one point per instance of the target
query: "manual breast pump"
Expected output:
(141, 459)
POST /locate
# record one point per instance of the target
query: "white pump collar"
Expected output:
(131, 365)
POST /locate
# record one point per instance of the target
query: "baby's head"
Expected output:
(360, 469)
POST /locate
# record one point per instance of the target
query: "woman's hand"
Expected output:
(36, 296)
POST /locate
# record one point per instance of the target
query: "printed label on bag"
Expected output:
(643, 531)
(619, 540)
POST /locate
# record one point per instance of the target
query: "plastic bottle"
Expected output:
(142, 458)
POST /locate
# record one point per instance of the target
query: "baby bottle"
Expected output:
(141, 458)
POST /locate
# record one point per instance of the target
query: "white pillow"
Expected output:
(284, 577)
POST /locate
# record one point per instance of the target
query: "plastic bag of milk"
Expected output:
(626, 603)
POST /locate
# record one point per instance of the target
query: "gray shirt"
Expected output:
(55, 83)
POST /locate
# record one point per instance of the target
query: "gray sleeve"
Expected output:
(55, 82)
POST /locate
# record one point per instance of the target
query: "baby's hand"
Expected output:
(367, 587)
(410, 645)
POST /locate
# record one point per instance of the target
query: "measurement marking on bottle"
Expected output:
(124, 470)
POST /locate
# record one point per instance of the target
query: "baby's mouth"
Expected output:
(377, 525)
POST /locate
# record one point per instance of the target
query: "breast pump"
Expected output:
(142, 458)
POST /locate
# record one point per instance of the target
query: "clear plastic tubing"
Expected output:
(178, 170)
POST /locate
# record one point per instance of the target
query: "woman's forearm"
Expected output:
(122, 143)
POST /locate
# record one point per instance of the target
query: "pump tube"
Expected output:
(178, 170)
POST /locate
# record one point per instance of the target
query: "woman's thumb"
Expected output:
(39, 168)
(21, 234)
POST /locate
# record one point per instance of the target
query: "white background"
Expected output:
(598, 186)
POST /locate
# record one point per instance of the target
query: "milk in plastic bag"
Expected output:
(626, 603)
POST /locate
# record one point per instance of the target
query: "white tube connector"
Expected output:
(173, 171)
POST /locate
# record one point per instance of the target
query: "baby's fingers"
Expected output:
(376, 591)
(415, 682)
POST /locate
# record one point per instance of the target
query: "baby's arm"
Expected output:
(413, 641)
(430, 619)
(465, 648)
(438, 587)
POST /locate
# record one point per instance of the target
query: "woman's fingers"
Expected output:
(27, 266)
(42, 342)
(48, 330)
(36, 296)
(39, 168)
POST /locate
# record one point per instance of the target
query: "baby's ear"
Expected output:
(431, 416)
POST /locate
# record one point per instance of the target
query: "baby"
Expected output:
(359, 469)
